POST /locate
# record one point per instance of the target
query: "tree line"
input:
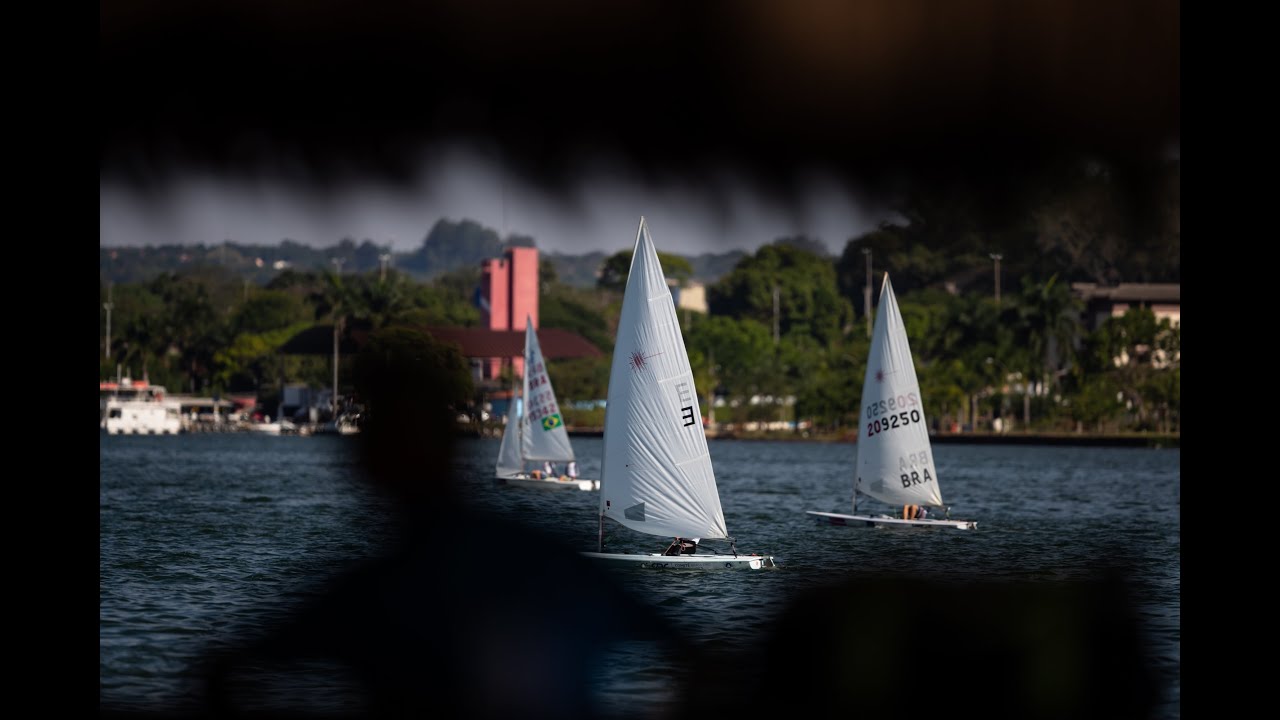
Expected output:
(211, 332)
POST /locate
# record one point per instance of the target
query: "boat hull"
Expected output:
(886, 521)
(550, 483)
(111, 430)
(685, 562)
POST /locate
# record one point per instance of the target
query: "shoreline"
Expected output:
(1153, 440)
(1148, 440)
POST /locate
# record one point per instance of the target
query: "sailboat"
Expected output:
(657, 476)
(535, 429)
(895, 458)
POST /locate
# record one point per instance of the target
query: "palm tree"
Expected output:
(384, 301)
(1049, 326)
(338, 301)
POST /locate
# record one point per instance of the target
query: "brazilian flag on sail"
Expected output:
(551, 422)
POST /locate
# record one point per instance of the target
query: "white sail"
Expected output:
(657, 475)
(509, 462)
(895, 459)
(544, 436)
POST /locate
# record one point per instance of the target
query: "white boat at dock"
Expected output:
(130, 407)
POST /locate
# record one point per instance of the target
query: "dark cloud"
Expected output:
(985, 90)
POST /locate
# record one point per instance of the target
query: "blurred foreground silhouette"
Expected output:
(874, 646)
(470, 615)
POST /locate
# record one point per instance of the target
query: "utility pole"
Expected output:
(383, 258)
(108, 306)
(866, 293)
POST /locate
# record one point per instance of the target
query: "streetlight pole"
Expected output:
(997, 257)
(866, 292)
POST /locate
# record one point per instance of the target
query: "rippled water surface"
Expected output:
(204, 535)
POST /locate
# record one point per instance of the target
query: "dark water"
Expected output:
(204, 535)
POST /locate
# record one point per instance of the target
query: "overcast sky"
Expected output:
(714, 213)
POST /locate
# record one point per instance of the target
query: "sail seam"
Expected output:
(692, 459)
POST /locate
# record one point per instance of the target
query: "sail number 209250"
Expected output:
(890, 422)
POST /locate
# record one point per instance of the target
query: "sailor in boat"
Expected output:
(572, 469)
(548, 469)
(914, 512)
(682, 546)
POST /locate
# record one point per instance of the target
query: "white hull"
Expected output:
(686, 562)
(265, 428)
(338, 428)
(550, 483)
(886, 521)
(142, 417)
(136, 430)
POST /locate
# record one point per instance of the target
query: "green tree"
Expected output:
(382, 302)
(452, 245)
(193, 325)
(826, 381)
(580, 379)
(579, 311)
(1049, 327)
(446, 302)
(808, 301)
(1094, 402)
(269, 310)
(743, 352)
(911, 264)
(616, 268)
(1140, 357)
(546, 274)
(251, 360)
